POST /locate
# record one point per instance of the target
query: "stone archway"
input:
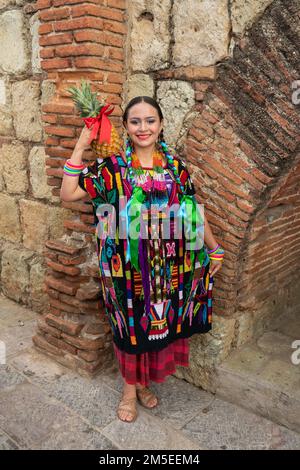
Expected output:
(243, 151)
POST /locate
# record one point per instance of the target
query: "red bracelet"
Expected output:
(75, 166)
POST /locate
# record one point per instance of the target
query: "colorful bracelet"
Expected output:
(211, 251)
(216, 254)
(72, 170)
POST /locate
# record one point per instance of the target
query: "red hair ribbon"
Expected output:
(101, 122)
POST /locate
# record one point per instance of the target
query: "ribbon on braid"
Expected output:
(189, 210)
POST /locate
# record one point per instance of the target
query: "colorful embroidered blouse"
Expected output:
(171, 297)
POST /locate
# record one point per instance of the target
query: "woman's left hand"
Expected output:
(214, 267)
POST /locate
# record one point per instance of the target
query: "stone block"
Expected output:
(245, 12)
(176, 99)
(15, 273)
(26, 110)
(10, 228)
(150, 34)
(14, 51)
(38, 177)
(201, 32)
(139, 85)
(13, 158)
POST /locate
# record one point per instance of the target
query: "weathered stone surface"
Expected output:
(14, 54)
(13, 159)
(40, 222)
(245, 12)
(35, 47)
(10, 228)
(38, 177)
(6, 126)
(15, 273)
(150, 35)
(206, 351)
(244, 328)
(6, 3)
(201, 31)
(57, 216)
(48, 91)
(139, 85)
(38, 297)
(26, 110)
(176, 99)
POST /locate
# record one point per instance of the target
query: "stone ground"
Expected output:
(44, 405)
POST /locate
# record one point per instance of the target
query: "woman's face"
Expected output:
(143, 125)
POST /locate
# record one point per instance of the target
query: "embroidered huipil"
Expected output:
(171, 296)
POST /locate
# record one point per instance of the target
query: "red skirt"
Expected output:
(153, 365)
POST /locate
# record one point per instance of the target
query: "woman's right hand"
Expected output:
(84, 138)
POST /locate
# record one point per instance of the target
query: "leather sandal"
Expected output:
(144, 395)
(129, 406)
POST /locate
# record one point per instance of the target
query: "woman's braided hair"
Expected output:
(161, 142)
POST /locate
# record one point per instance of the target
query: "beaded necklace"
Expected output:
(144, 179)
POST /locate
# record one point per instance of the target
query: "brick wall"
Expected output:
(243, 151)
(78, 40)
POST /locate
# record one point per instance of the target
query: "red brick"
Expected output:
(42, 325)
(61, 131)
(62, 285)
(63, 307)
(58, 108)
(115, 78)
(54, 172)
(70, 121)
(79, 23)
(60, 344)
(70, 143)
(71, 328)
(51, 119)
(89, 356)
(53, 39)
(80, 49)
(121, 4)
(57, 152)
(41, 4)
(89, 219)
(51, 141)
(78, 227)
(78, 206)
(99, 11)
(84, 343)
(58, 3)
(47, 53)
(43, 344)
(116, 54)
(114, 27)
(52, 64)
(97, 63)
(54, 14)
(51, 292)
(245, 207)
(71, 271)
(68, 261)
(45, 28)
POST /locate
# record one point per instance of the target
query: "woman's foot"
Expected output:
(146, 397)
(127, 407)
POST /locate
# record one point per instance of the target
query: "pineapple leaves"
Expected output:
(85, 100)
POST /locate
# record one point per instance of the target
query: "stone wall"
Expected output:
(30, 213)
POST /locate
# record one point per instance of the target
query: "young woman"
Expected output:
(156, 287)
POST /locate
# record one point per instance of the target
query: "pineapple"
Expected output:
(88, 105)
